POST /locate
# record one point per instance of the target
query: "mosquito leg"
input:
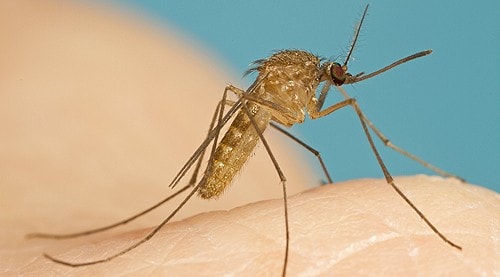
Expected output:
(283, 184)
(196, 170)
(211, 135)
(276, 109)
(281, 175)
(390, 180)
(279, 109)
(217, 133)
(102, 229)
(133, 246)
(217, 130)
(352, 102)
(241, 93)
(194, 177)
(127, 220)
(306, 146)
(398, 149)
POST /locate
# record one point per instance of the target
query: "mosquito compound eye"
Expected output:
(338, 74)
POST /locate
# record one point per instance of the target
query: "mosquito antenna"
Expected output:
(356, 35)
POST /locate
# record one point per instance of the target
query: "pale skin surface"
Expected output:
(343, 229)
(88, 141)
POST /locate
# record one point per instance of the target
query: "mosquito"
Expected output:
(282, 94)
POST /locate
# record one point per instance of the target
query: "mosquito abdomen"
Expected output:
(233, 151)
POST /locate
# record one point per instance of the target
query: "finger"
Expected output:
(349, 228)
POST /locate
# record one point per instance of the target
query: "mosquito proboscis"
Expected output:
(282, 94)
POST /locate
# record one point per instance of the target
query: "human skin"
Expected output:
(97, 116)
(359, 227)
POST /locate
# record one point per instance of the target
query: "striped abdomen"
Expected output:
(233, 151)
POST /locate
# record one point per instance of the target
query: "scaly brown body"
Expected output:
(289, 80)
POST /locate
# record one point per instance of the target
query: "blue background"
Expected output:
(443, 107)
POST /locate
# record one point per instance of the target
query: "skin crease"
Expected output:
(84, 143)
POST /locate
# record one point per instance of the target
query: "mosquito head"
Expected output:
(337, 73)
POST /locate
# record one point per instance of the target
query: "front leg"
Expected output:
(390, 181)
(314, 106)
